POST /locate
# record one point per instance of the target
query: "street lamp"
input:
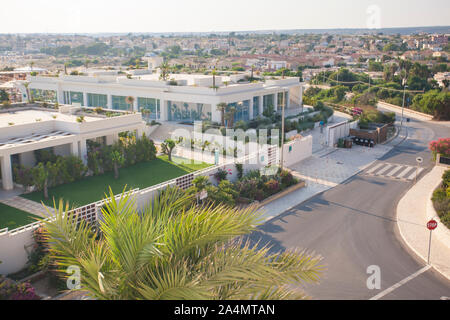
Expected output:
(403, 104)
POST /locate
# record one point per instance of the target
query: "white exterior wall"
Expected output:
(75, 143)
(301, 150)
(121, 86)
(340, 130)
(13, 250)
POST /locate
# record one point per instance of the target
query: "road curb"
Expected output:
(397, 133)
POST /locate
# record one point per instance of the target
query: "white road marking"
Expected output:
(400, 283)
(404, 172)
(379, 173)
(375, 168)
(394, 171)
(413, 175)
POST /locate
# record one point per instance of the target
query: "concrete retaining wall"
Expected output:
(394, 108)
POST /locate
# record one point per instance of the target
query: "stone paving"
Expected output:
(27, 206)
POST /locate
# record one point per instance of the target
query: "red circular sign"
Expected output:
(432, 225)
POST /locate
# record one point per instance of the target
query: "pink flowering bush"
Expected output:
(24, 291)
(441, 146)
(13, 291)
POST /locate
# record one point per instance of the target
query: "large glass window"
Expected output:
(97, 100)
(150, 108)
(255, 107)
(120, 103)
(241, 110)
(182, 111)
(71, 97)
(43, 95)
(268, 102)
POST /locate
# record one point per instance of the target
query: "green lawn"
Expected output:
(13, 218)
(141, 176)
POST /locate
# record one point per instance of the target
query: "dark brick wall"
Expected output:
(377, 135)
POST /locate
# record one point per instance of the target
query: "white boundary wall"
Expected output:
(297, 150)
(340, 130)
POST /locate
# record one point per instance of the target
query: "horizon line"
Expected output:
(226, 31)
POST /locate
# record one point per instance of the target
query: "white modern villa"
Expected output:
(185, 97)
(26, 129)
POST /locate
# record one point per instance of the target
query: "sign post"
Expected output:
(419, 161)
(431, 225)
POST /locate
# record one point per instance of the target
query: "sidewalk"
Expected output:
(26, 205)
(414, 211)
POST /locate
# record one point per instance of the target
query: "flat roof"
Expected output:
(33, 139)
(30, 116)
(181, 76)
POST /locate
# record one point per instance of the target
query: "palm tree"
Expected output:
(214, 78)
(164, 67)
(175, 250)
(130, 101)
(230, 116)
(117, 160)
(222, 107)
(27, 88)
(167, 147)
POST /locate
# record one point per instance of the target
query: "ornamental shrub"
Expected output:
(446, 179)
(221, 175)
(23, 175)
(286, 178)
(272, 186)
(12, 291)
(441, 146)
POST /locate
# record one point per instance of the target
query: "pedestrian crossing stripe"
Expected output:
(415, 174)
(375, 168)
(394, 171)
(386, 168)
(404, 172)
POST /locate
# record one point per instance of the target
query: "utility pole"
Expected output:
(282, 129)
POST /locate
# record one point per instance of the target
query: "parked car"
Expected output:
(357, 111)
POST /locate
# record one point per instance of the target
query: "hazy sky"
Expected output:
(82, 16)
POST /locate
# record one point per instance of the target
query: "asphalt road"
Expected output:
(353, 227)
